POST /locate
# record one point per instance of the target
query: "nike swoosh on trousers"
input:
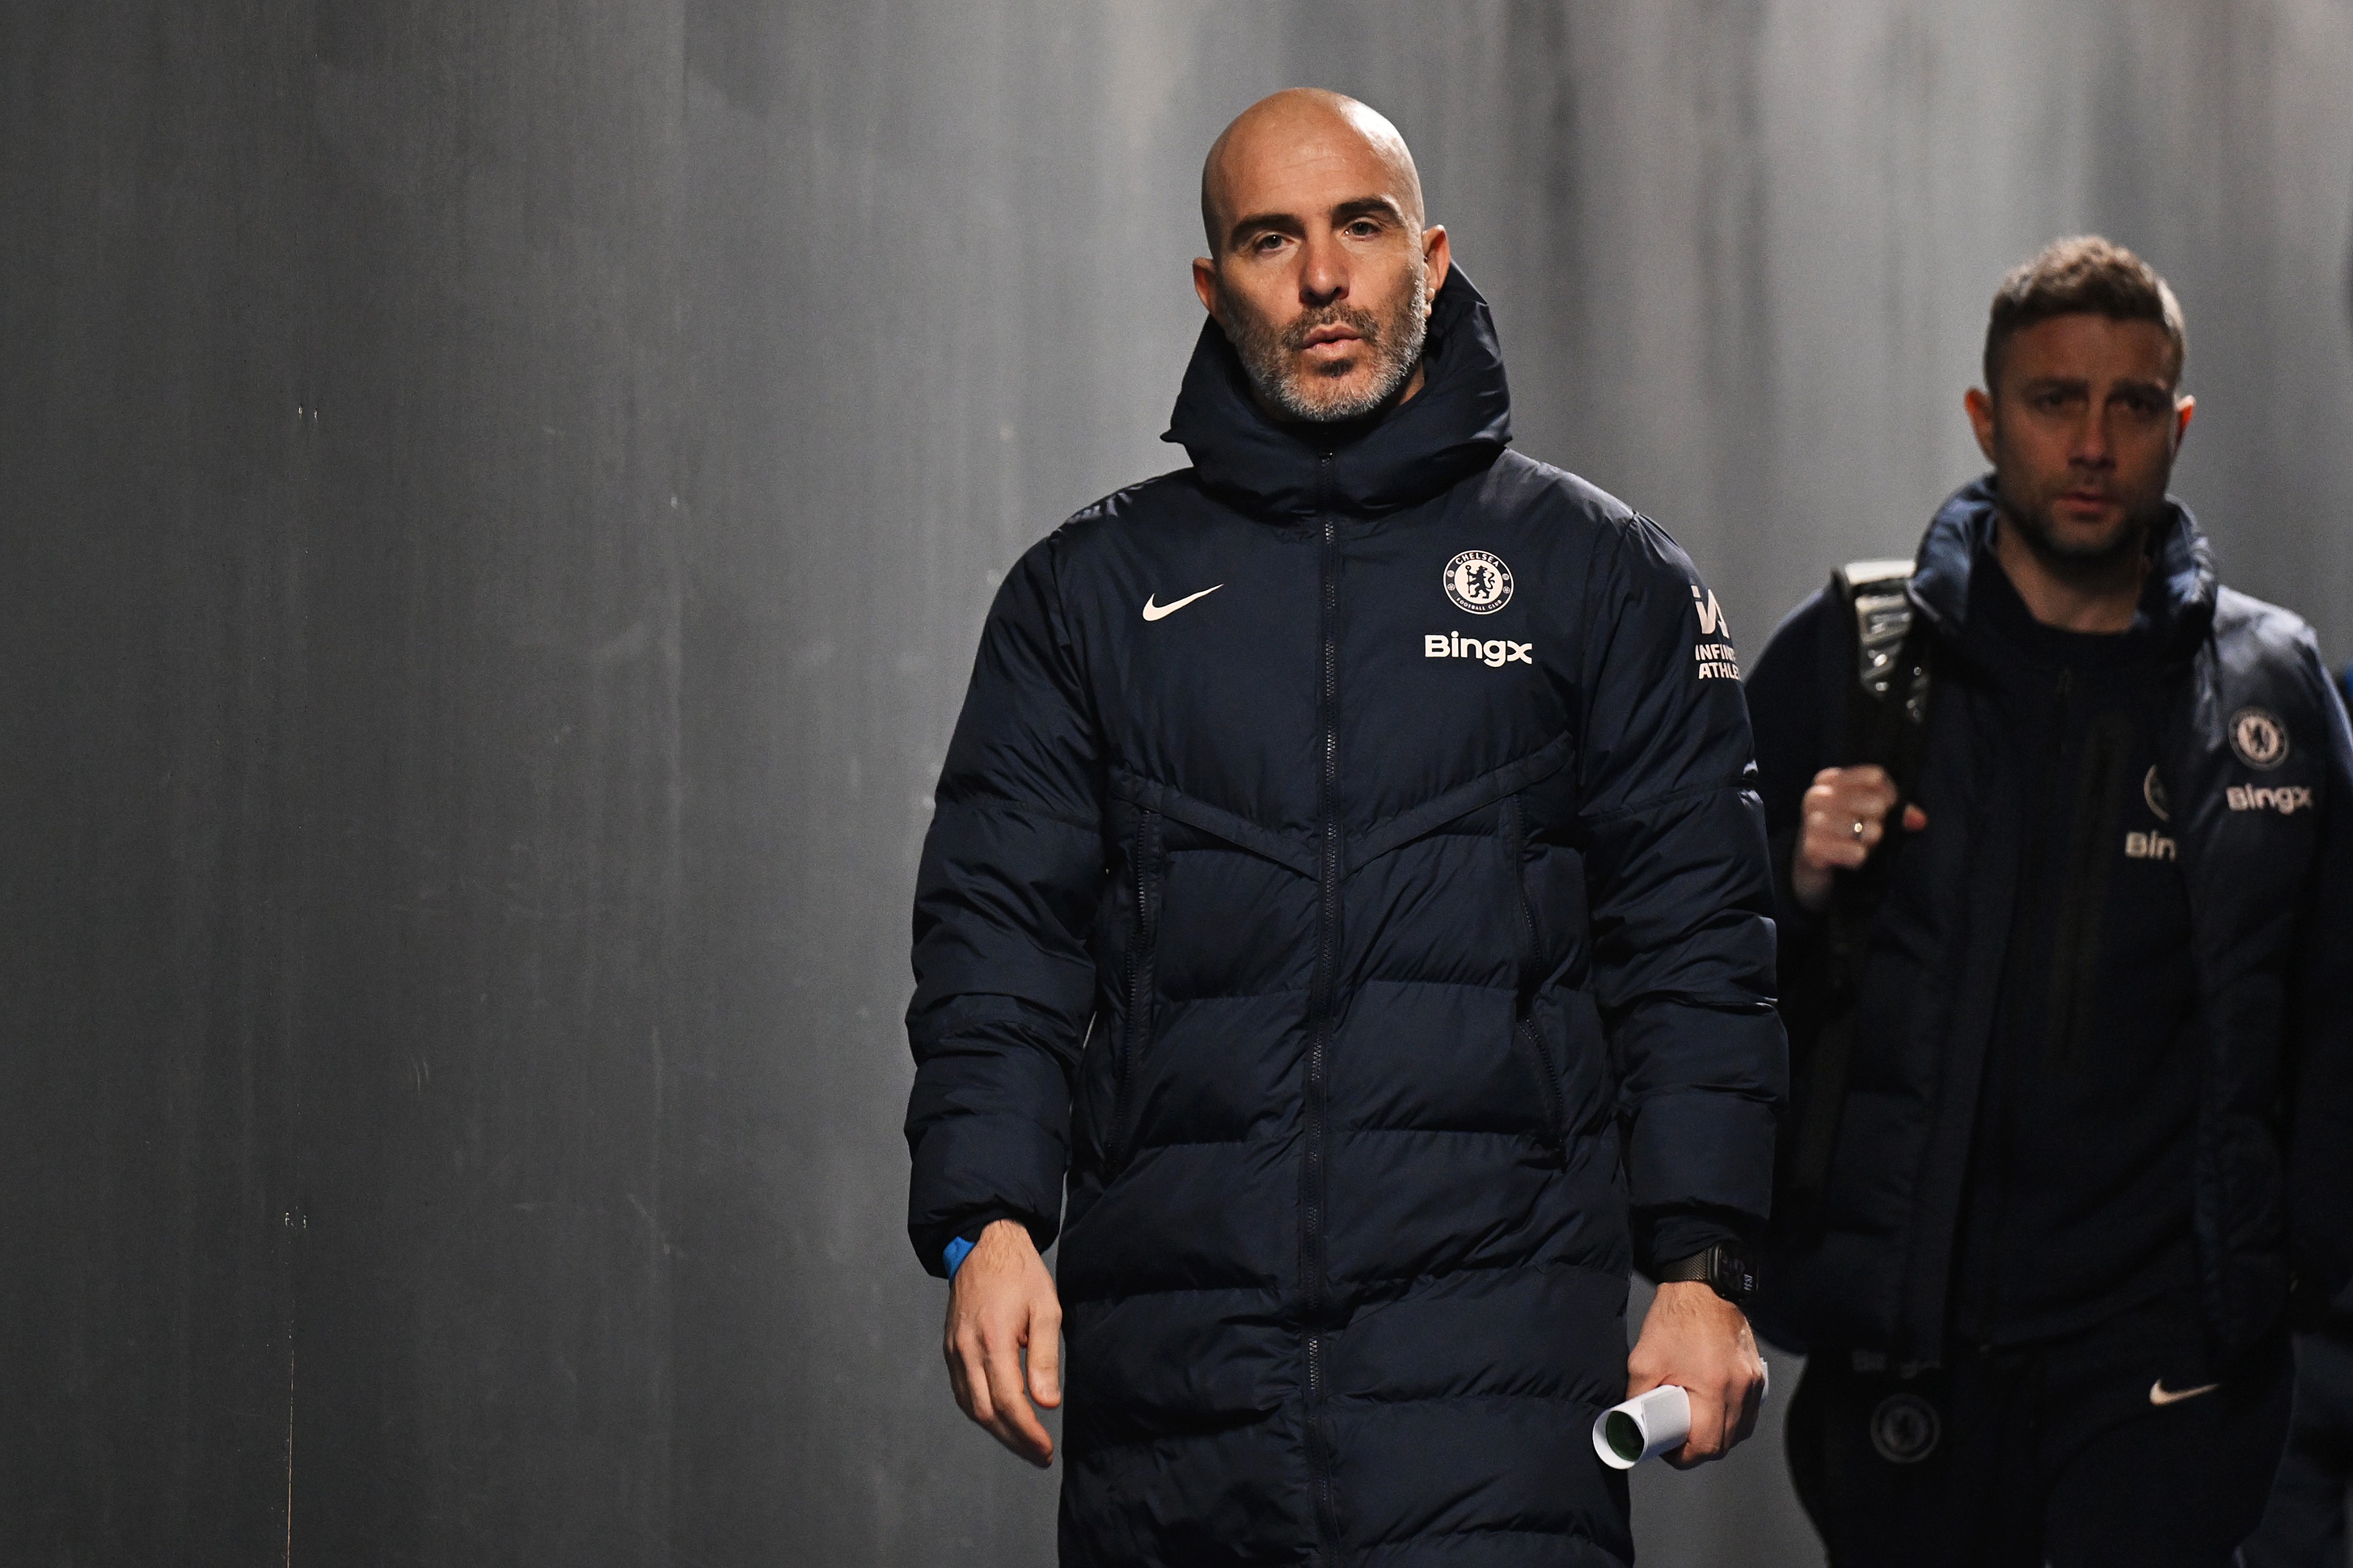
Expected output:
(1153, 612)
(2161, 1394)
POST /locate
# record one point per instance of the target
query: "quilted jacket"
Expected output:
(2255, 784)
(1345, 925)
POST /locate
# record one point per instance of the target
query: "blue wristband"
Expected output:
(956, 1252)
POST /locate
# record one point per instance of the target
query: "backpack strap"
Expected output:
(1886, 715)
(1872, 593)
(1887, 701)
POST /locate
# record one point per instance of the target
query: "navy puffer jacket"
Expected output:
(2265, 847)
(1347, 877)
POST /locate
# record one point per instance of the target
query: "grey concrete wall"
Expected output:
(496, 502)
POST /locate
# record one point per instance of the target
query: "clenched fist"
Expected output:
(1844, 816)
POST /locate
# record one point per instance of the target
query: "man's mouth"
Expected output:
(1336, 339)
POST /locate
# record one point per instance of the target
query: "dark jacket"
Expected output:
(1354, 975)
(2253, 772)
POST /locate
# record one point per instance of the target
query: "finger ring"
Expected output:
(1858, 830)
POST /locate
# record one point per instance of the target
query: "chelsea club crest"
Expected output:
(1478, 581)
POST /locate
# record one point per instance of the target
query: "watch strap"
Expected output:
(1698, 1266)
(1723, 1267)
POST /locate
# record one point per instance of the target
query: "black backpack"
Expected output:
(1886, 722)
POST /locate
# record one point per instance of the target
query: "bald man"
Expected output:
(1343, 923)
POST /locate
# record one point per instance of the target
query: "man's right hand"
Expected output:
(1845, 816)
(1001, 1304)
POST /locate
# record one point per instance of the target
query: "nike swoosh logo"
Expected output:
(1153, 612)
(2159, 1395)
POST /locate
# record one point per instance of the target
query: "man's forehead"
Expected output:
(2085, 343)
(1303, 154)
(1309, 167)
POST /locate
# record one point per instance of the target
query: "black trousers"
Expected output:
(2303, 1526)
(2078, 1453)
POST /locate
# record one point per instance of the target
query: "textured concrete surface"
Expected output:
(498, 497)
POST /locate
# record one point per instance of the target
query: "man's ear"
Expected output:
(1437, 255)
(1204, 284)
(2184, 407)
(1980, 407)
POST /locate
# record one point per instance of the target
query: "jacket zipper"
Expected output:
(1313, 1180)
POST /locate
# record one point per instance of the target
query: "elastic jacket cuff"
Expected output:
(1701, 1149)
(1670, 1234)
(944, 1250)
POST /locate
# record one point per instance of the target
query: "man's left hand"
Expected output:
(1699, 1341)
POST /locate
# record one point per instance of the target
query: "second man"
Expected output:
(2053, 815)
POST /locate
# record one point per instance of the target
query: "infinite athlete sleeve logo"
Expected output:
(1714, 653)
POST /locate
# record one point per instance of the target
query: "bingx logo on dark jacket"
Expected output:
(1346, 922)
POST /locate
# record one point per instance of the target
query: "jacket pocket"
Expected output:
(1550, 1096)
(1135, 1023)
(1529, 1039)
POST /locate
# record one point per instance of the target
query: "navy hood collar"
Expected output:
(2178, 599)
(1454, 426)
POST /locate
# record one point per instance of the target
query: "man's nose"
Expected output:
(1323, 272)
(2093, 449)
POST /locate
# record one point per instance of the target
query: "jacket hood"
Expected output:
(2178, 599)
(1454, 426)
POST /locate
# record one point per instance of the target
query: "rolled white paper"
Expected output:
(1642, 1427)
(1649, 1424)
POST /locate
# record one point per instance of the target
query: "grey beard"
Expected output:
(1396, 346)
